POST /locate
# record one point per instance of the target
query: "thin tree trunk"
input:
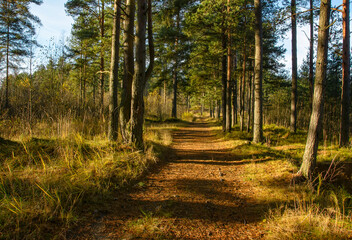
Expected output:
(310, 152)
(345, 95)
(7, 105)
(128, 68)
(234, 95)
(293, 122)
(81, 82)
(175, 81)
(253, 95)
(229, 92)
(84, 83)
(224, 80)
(229, 77)
(258, 103)
(102, 60)
(218, 115)
(311, 50)
(211, 108)
(249, 102)
(243, 84)
(174, 99)
(114, 69)
(30, 88)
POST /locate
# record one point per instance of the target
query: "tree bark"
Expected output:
(102, 60)
(293, 122)
(311, 50)
(137, 110)
(345, 95)
(141, 75)
(128, 69)
(258, 102)
(113, 78)
(229, 77)
(234, 94)
(218, 114)
(224, 80)
(175, 80)
(253, 94)
(249, 101)
(7, 105)
(310, 152)
(243, 84)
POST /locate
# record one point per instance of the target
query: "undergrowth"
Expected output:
(46, 182)
(321, 209)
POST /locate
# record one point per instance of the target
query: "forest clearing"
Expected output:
(176, 119)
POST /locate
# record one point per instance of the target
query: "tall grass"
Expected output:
(46, 181)
(321, 209)
(325, 215)
(308, 221)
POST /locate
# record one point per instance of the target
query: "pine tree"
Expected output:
(144, 16)
(345, 96)
(128, 69)
(310, 152)
(113, 80)
(17, 28)
(93, 11)
(258, 92)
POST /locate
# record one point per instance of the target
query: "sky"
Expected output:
(57, 26)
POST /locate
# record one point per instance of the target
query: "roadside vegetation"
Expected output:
(320, 209)
(46, 179)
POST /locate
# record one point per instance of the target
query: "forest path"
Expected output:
(200, 193)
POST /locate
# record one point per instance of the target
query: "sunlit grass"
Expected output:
(308, 222)
(46, 181)
(320, 210)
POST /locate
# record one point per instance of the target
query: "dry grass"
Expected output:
(45, 182)
(321, 210)
(308, 221)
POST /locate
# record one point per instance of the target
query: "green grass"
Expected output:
(308, 222)
(46, 182)
(321, 210)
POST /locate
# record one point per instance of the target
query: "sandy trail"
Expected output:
(198, 194)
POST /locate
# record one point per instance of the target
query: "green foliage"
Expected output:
(17, 26)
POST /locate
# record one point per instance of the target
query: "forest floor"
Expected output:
(200, 191)
(192, 182)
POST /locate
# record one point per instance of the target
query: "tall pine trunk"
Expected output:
(258, 102)
(243, 84)
(345, 95)
(310, 152)
(175, 80)
(141, 75)
(128, 69)
(249, 116)
(102, 59)
(113, 78)
(293, 122)
(224, 79)
(234, 94)
(311, 50)
(229, 86)
(7, 105)
(229, 77)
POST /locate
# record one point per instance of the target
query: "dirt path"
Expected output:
(198, 194)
